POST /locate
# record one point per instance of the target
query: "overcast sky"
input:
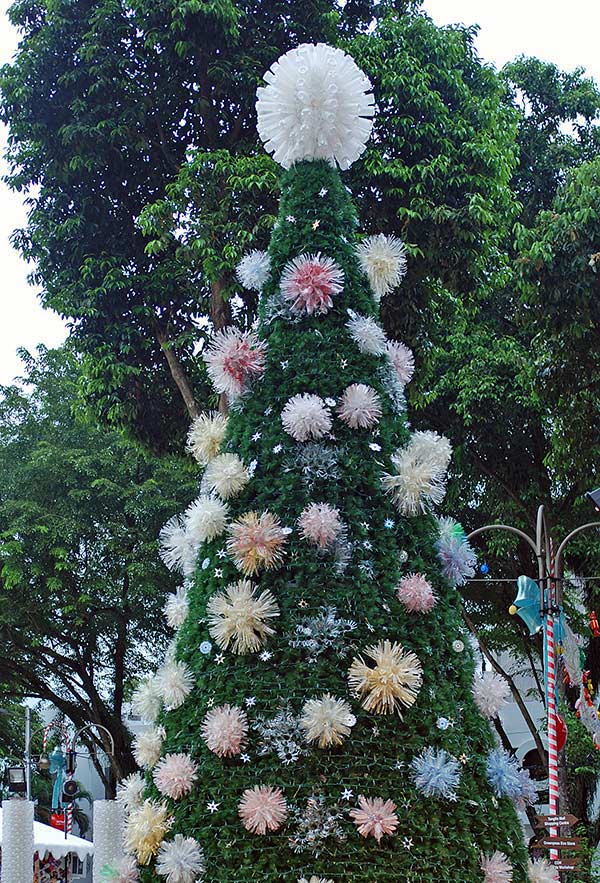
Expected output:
(564, 33)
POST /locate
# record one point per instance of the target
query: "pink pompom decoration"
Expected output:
(491, 694)
(320, 523)
(360, 406)
(375, 817)
(310, 281)
(306, 416)
(402, 360)
(496, 868)
(224, 730)
(262, 809)
(233, 357)
(175, 775)
(416, 593)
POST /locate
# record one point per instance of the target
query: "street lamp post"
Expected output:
(550, 581)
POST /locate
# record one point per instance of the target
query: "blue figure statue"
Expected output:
(58, 765)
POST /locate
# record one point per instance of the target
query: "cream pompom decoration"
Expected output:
(326, 721)
(491, 694)
(420, 472)
(205, 518)
(239, 617)
(206, 435)
(541, 871)
(306, 416)
(226, 475)
(496, 868)
(318, 104)
(253, 270)
(176, 608)
(383, 259)
(360, 406)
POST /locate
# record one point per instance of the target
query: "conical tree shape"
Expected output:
(332, 628)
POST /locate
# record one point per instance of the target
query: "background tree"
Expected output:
(81, 586)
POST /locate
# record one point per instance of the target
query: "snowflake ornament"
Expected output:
(416, 593)
(321, 524)
(256, 542)
(327, 721)
(317, 104)
(239, 617)
(401, 360)
(175, 775)
(206, 436)
(224, 730)
(306, 416)
(383, 260)
(232, 358)
(491, 694)
(496, 868)
(254, 270)
(367, 334)
(180, 860)
(390, 680)
(375, 817)
(309, 283)
(262, 809)
(360, 406)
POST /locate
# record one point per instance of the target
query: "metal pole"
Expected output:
(27, 757)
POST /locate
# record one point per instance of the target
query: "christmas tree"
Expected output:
(317, 717)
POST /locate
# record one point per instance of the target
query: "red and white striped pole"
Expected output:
(551, 686)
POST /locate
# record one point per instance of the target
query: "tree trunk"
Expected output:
(177, 373)
(220, 313)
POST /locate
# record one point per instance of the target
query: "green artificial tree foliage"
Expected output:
(81, 591)
(335, 604)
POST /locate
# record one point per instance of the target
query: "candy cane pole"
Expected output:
(551, 700)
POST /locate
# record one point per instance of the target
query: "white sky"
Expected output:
(566, 34)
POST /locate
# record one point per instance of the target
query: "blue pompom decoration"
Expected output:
(454, 552)
(507, 779)
(436, 773)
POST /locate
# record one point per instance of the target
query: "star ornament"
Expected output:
(212, 806)
(316, 224)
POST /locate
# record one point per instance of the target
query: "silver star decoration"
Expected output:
(265, 655)
(388, 523)
(407, 843)
(245, 758)
(368, 544)
(284, 364)
(347, 794)
(222, 553)
(399, 765)
(268, 411)
(375, 730)
(218, 572)
(369, 626)
(212, 806)
(365, 524)
(374, 446)
(210, 702)
(315, 224)
(344, 363)
(250, 701)
(291, 219)
(220, 659)
(302, 603)
(256, 436)
(323, 191)
(277, 449)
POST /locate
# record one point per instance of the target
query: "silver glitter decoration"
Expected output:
(393, 387)
(316, 462)
(317, 823)
(322, 632)
(281, 735)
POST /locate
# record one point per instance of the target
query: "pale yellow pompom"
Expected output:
(390, 681)
(206, 435)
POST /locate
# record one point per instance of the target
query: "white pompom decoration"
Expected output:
(383, 259)
(177, 548)
(318, 104)
(306, 416)
(360, 406)
(491, 694)
(541, 871)
(367, 334)
(321, 524)
(420, 473)
(226, 475)
(205, 518)
(206, 435)
(402, 360)
(176, 608)
(254, 269)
